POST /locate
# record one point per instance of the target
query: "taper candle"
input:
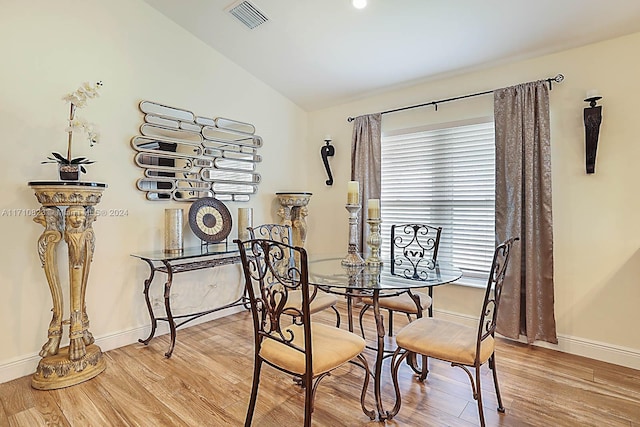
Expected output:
(353, 193)
(373, 208)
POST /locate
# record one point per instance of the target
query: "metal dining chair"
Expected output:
(411, 244)
(309, 350)
(462, 346)
(283, 233)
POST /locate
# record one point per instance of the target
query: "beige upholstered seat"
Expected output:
(443, 339)
(463, 346)
(321, 301)
(402, 303)
(309, 351)
(282, 233)
(332, 347)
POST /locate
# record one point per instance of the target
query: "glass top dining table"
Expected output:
(398, 274)
(392, 277)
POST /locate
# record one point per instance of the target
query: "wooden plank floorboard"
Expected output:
(4, 419)
(48, 404)
(12, 397)
(87, 404)
(207, 382)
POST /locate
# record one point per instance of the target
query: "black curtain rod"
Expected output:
(558, 78)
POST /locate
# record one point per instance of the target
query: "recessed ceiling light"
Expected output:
(359, 4)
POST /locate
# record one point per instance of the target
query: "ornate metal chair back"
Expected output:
(493, 292)
(412, 246)
(269, 279)
(279, 233)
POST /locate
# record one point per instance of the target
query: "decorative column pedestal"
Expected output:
(294, 212)
(67, 212)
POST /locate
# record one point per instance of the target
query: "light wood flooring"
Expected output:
(207, 382)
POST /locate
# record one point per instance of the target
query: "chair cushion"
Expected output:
(331, 348)
(319, 303)
(402, 302)
(444, 340)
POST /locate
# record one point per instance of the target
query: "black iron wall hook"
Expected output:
(326, 151)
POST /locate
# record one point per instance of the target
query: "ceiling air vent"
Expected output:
(247, 13)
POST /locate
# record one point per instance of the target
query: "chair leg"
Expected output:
(309, 393)
(476, 388)
(337, 316)
(479, 397)
(257, 364)
(430, 309)
(492, 366)
(367, 375)
(425, 369)
(390, 323)
(396, 361)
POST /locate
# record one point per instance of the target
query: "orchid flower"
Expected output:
(78, 99)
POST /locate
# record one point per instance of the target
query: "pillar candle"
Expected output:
(373, 206)
(173, 230)
(353, 194)
(245, 219)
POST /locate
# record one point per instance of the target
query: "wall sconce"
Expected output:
(592, 120)
(326, 151)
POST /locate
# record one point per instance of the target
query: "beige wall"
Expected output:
(48, 49)
(596, 227)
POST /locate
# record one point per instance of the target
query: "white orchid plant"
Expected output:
(78, 99)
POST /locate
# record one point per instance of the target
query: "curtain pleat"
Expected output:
(365, 164)
(523, 208)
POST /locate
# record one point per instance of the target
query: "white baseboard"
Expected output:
(27, 365)
(604, 352)
(579, 346)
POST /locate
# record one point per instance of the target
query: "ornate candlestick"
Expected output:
(353, 258)
(374, 241)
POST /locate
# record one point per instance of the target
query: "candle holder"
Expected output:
(353, 258)
(173, 241)
(374, 241)
(245, 219)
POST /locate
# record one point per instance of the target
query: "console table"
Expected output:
(81, 360)
(189, 259)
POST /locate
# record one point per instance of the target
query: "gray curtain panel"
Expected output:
(365, 164)
(523, 208)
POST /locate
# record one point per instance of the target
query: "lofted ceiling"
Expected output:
(321, 53)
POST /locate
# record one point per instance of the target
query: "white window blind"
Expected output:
(444, 177)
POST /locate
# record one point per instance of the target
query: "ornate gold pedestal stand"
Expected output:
(82, 359)
(294, 212)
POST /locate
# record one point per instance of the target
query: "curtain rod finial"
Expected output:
(350, 119)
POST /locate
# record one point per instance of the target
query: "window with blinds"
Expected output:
(444, 177)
